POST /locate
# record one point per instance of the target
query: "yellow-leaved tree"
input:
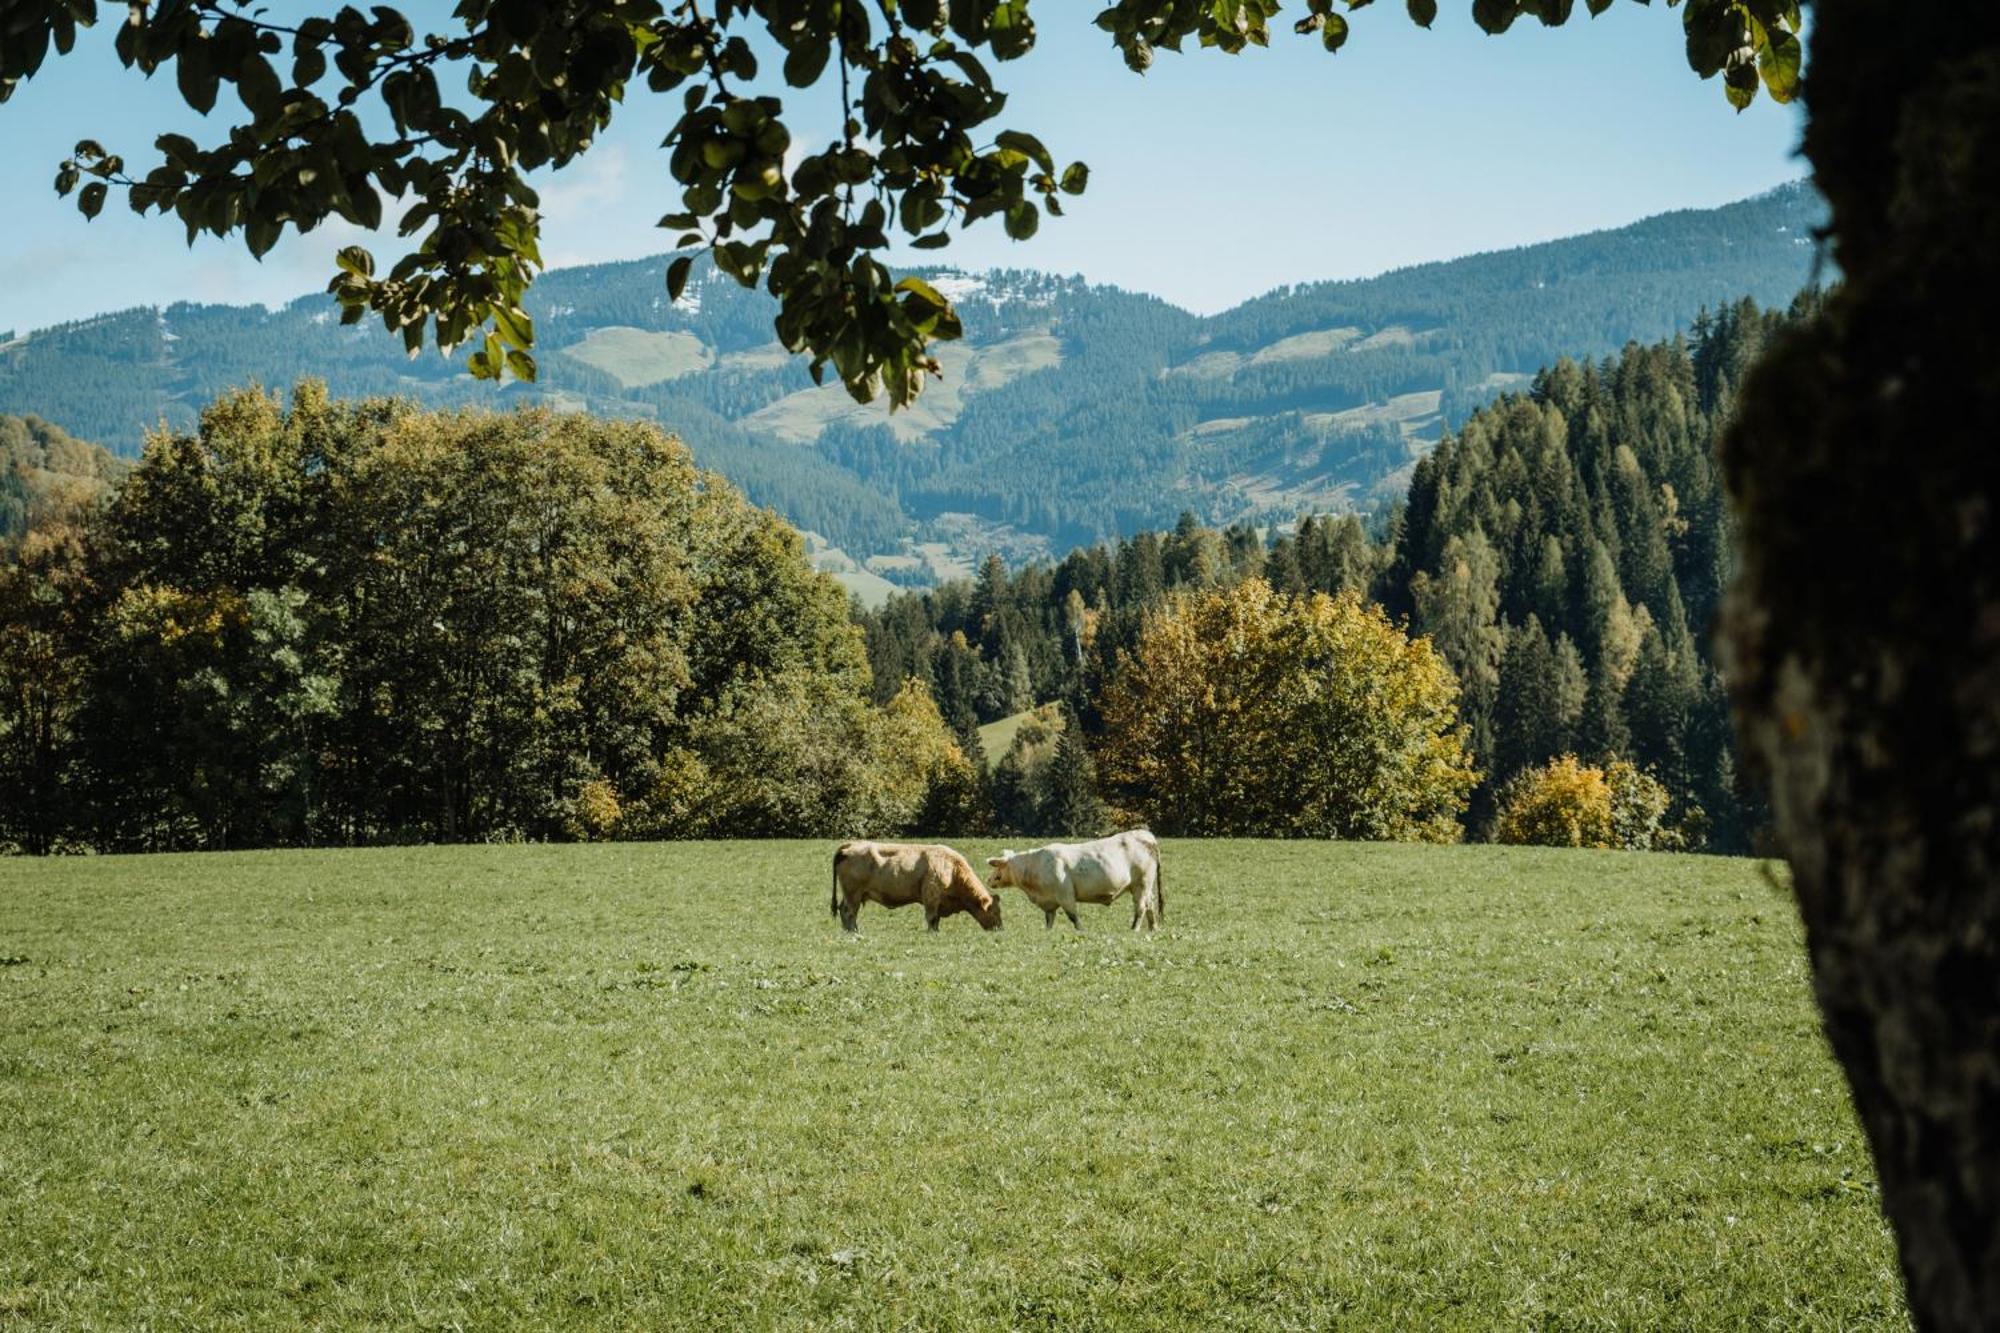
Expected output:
(936, 786)
(1564, 803)
(1567, 803)
(1247, 712)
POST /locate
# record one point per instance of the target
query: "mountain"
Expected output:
(1070, 411)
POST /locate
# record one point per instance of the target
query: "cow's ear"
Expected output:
(996, 861)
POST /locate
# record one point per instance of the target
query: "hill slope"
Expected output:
(38, 460)
(1070, 411)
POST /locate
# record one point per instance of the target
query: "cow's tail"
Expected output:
(838, 852)
(1159, 879)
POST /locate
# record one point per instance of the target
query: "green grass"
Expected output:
(637, 357)
(654, 1086)
(996, 738)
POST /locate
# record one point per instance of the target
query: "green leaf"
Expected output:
(1023, 219)
(937, 240)
(179, 150)
(1028, 144)
(353, 259)
(514, 325)
(261, 233)
(257, 85)
(1778, 62)
(1424, 12)
(485, 363)
(1713, 35)
(308, 67)
(91, 201)
(365, 206)
(677, 276)
(924, 292)
(197, 77)
(806, 62)
(1495, 16)
(1333, 32)
(1075, 178)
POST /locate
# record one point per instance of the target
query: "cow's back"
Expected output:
(1116, 864)
(885, 872)
(1140, 847)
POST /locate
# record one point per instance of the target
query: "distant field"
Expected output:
(996, 738)
(968, 369)
(636, 357)
(858, 579)
(654, 1086)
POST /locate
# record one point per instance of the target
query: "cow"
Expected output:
(1063, 874)
(896, 874)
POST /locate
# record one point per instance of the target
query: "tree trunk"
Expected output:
(1862, 636)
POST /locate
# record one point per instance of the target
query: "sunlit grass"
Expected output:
(650, 1086)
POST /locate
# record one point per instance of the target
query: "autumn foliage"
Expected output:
(1244, 711)
(1567, 803)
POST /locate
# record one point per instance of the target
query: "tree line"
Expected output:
(1564, 551)
(328, 622)
(321, 622)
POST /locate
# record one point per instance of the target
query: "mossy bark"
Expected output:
(1863, 634)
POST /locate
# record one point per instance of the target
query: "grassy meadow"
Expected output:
(650, 1086)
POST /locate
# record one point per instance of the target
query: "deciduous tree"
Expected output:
(1244, 712)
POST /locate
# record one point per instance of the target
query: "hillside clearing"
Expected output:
(637, 357)
(996, 738)
(655, 1086)
(859, 580)
(968, 369)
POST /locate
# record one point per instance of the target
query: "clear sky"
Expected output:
(1213, 178)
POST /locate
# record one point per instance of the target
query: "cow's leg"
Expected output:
(1069, 910)
(1145, 907)
(1048, 917)
(850, 917)
(936, 890)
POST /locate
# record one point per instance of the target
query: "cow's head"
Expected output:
(979, 900)
(1002, 875)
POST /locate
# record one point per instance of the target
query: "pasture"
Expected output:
(653, 1086)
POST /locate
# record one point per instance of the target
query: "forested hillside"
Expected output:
(361, 622)
(40, 462)
(1564, 551)
(1070, 412)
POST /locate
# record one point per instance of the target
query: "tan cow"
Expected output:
(896, 874)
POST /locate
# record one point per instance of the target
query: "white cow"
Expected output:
(1063, 874)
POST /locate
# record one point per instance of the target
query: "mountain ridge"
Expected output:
(1071, 411)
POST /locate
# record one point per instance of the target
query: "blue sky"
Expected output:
(1213, 178)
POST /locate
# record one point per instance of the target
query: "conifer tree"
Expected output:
(1013, 796)
(1068, 805)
